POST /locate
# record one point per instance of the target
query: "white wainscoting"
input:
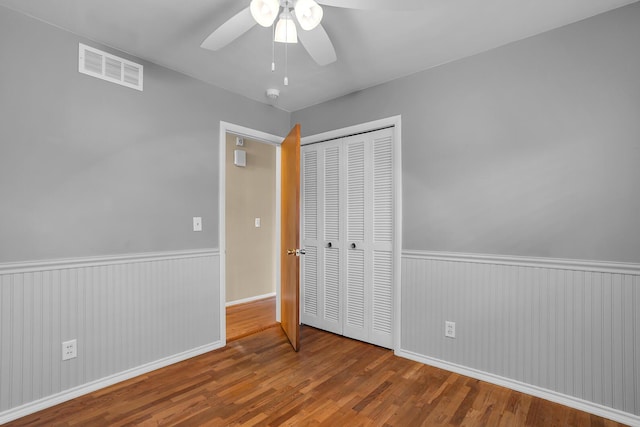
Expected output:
(130, 314)
(567, 331)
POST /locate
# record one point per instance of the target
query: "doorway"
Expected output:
(250, 220)
(243, 222)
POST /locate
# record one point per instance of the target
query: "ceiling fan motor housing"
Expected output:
(273, 94)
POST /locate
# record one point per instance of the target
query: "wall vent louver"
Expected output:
(109, 67)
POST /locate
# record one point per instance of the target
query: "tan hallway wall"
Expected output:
(250, 194)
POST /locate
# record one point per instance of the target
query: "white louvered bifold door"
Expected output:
(347, 231)
(321, 272)
(381, 327)
(355, 309)
(310, 279)
(369, 232)
(332, 244)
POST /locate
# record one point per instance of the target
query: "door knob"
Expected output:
(296, 252)
(353, 246)
(329, 244)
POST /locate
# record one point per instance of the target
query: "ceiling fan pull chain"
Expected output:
(273, 46)
(286, 79)
(286, 58)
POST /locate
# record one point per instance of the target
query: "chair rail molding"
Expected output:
(523, 261)
(93, 261)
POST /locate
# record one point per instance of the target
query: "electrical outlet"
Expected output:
(450, 329)
(197, 223)
(69, 350)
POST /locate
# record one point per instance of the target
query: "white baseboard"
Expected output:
(49, 401)
(572, 402)
(250, 299)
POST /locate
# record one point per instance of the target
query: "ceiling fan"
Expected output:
(307, 14)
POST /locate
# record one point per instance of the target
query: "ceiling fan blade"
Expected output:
(318, 45)
(230, 30)
(376, 4)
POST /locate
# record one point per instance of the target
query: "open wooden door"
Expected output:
(290, 237)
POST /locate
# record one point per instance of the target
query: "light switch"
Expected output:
(197, 223)
(257, 222)
(240, 158)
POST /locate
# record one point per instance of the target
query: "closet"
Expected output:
(346, 275)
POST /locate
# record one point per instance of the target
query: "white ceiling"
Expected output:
(372, 46)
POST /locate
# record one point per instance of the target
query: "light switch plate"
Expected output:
(197, 223)
(240, 158)
(257, 222)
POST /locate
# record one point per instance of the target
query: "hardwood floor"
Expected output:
(249, 318)
(334, 381)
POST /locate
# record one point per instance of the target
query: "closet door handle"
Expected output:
(353, 246)
(329, 244)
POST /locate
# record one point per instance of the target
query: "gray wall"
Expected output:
(88, 167)
(530, 149)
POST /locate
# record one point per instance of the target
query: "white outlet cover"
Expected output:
(69, 349)
(450, 329)
(197, 223)
(257, 222)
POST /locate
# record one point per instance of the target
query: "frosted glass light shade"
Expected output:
(309, 14)
(286, 29)
(264, 12)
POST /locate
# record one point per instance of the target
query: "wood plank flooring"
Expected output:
(249, 318)
(333, 381)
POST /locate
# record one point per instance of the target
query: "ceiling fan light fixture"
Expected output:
(309, 14)
(265, 12)
(286, 29)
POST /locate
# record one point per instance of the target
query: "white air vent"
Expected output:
(109, 67)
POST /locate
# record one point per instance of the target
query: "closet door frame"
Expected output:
(396, 123)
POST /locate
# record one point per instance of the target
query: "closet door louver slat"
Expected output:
(355, 294)
(332, 194)
(310, 195)
(382, 292)
(332, 285)
(310, 279)
(383, 190)
(355, 191)
(310, 282)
